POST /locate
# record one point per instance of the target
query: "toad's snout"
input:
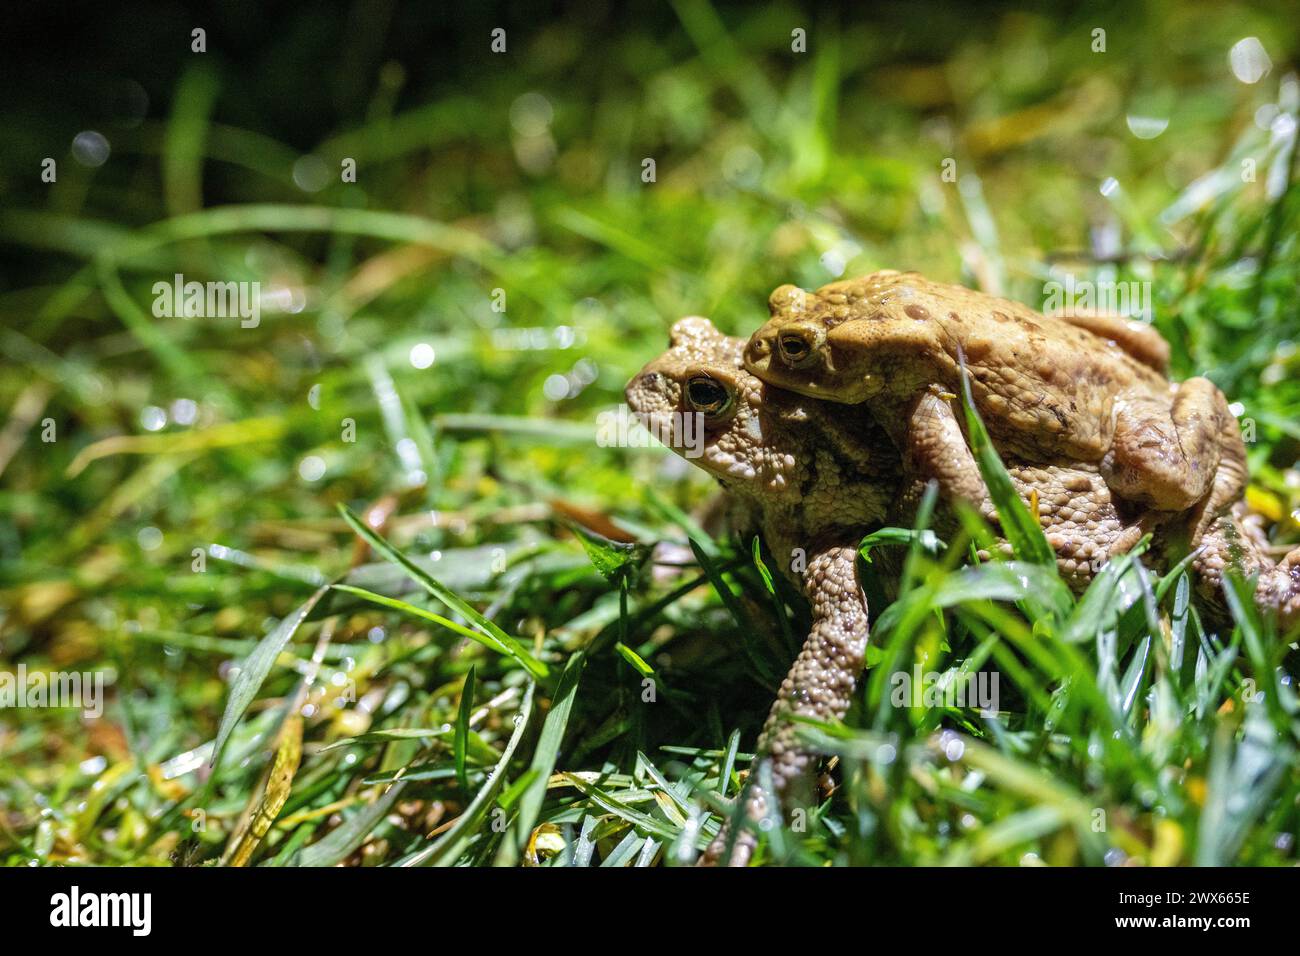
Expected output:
(758, 354)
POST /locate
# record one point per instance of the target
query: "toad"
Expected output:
(1083, 388)
(817, 477)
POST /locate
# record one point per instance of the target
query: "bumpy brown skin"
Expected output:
(815, 483)
(817, 477)
(1080, 388)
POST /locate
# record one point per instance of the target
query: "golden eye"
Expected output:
(795, 348)
(708, 395)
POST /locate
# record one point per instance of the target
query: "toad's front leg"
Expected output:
(819, 686)
(937, 448)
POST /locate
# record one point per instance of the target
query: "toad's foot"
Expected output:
(819, 686)
(1232, 543)
(1167, 456)
(1279, 589)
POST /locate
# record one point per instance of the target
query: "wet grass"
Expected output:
(472, 634)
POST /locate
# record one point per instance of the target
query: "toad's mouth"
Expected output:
(682, 432)
(824, 384)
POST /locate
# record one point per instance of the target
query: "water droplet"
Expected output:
(184, 411)
(312, 468)
(149, 538)
(832, 261)
(90, 148)
(531, 114)
(313, 397)
(742, 166)
(556, 387)
(1147, 127)
(152, 418)
(93, 765)
(1265, 115)
(1249, 60)
(310, 174)
(422, 355)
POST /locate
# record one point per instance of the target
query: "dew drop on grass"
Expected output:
(152, 418)
(531, 114)
(1249, 60)
(833, 262)
(422, 355)
(93, 765)
(312, 468)
(1147, 127)
(556, 387)
(310, 174)
(184, 411)
(90, 148)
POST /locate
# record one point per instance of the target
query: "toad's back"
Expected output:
(1042, 384)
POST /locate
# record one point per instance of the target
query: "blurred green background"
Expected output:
(515, 178)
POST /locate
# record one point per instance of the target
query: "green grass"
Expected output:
(492, 680)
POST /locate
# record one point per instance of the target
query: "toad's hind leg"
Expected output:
(1167, 455)
(819, 686)
(1134, 336)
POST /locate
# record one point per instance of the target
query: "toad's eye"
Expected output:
(795, 348)
(708, 395)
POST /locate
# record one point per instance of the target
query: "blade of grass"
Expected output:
(254, 669)
(461, 740)
(544, 757)
(452, 844)
(448, 597)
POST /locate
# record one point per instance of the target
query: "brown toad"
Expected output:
(1084, 388)
(817, 477)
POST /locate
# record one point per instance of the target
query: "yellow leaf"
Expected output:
(270, 797)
